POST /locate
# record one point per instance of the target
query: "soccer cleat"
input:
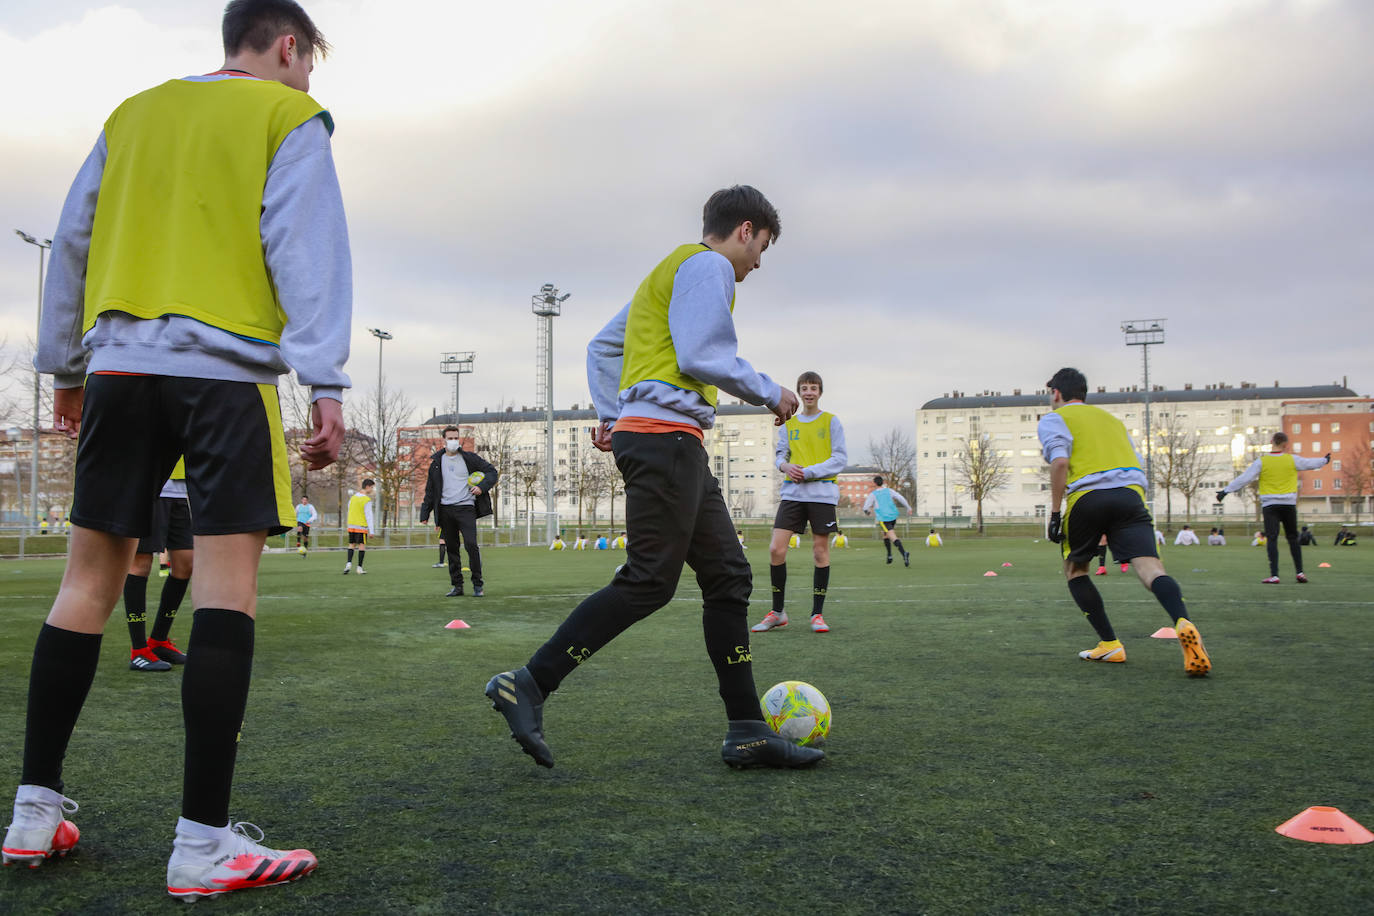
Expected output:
(889, 559)
(515, 695)
(165, 650)
(906, 558)
(1101, 571)
(202, 867)
(361, 571)
(347, 567)
(1302, 578)
(438, 566)
(1125, 567)
(455, 592)
(1195, 660)
(1112, 651)
(770, 621)
(1272, 580)
(477, 591)
(751, 743)
(39, 830)
(818, 624)
(146, 659)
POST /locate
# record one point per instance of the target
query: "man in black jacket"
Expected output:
(456, 490)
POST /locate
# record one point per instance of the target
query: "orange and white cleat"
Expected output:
(771, 621)
(39, 829)
(1101, 571)
(818, 624)
(232, 861)
(1112, 652)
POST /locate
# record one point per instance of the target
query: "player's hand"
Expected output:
(1055, 531)
(1328, 457)
(787, 406)
(66, 409)
(1221, 495)
(601, 436)
(322, 449)
(795, 472)
(475, 491)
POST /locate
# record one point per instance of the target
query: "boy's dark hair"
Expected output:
(810, 378)
(878, 479)
(1072, 384)
(729, 207)
(255, 24)
(1280, 438)
(451, 429)
(367, 482)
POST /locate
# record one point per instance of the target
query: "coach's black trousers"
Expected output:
(1288, 517)
(460, 523)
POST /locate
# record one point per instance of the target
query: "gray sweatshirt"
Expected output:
(305, 242)
(703, 333)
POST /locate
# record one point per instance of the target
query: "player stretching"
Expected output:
(810, 451)
(1094, 463)
(1278, 487)
(665, 354)
(201, 253)
(882, 503)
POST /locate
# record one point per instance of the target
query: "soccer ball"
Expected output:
(301, 550)
(475, 478)
(798, 712)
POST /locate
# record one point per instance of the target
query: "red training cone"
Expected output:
(1323, 565)
(989, 573)
(1320, 824)
(457, 625)
(1004, 565)
(1165, 633)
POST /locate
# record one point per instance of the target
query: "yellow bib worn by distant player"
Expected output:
(176, 228)
(1278, 475)
(841, 541)
(357, 511)
(649, 352)
(809, 443)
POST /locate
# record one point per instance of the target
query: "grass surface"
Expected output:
(975, 763)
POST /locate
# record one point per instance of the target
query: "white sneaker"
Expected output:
(361, 571)
(39, 829)
(347, 567)
(201, 867)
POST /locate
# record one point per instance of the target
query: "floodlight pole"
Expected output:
(729, 437)
(547, 305)
(1144, 333)
(457, 365)
(44, 245)
(382, 337)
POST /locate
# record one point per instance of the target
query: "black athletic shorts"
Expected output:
(303, 528)
(171, 526)
(133, 429)
(1120, 513)
(793, 516)
(358, 537)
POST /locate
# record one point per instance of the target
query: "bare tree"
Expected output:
(495, 440)
(528, 475)
(1357, 476)
(1179, 462)
(1255, 443)
(981, 469)
(378, 414)
(589, 482)
(894, 456)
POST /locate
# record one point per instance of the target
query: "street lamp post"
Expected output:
(729, 437)
(44, 245)
(382, 337)
(1145, 333)
(548, 305)
(457, 365)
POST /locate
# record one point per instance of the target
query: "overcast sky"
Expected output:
(973, 192)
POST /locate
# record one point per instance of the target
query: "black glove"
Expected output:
(1221, 495)
(1055, 532)
(1328, 457)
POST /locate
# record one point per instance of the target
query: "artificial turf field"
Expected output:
(975, 764)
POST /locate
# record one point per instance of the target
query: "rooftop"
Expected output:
(1247, 391)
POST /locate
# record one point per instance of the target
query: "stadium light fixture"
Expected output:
(1145, 333)
(457, 365)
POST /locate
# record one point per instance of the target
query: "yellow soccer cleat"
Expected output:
(1195, 660)
(1112, 651)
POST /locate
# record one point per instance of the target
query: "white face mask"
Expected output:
(451, 445)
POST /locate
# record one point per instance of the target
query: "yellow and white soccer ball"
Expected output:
(794, 540)
(475, 478)
(301, 550)
(798, 712)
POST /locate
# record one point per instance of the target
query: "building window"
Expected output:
(1040, 511)
(1297, 447)
(1336, 446)
(1336, 465)
(1335, 427)
(1317, 484)
(1316, 427)
(1335, 484)
(1297, 429)
(1316, 446)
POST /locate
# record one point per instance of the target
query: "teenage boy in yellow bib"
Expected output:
(810, 451)
(1094, 463)
(201, 253)
(654, 371)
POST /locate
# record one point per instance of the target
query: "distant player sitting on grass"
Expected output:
(809, 451)
(882, 503)
(558, 543)
(654, 371)
(933, 539)
(1093, 462)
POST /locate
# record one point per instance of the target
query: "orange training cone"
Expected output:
(1165, 633)
(1323, 565)
(989, 573)
(1320, 824)
(1004, 565)
(457, 625)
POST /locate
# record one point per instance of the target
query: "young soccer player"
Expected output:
(201, 252)
(654, 371)
(362, 521)
(933, 539)
(171, 530)
(809, 451)
(1278, 487)
(558, 542)
(305, 517)
(882, 503)
(1093, 461)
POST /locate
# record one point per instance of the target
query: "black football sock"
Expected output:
(1167, 593)
(778, 576)
(601, 617)
(214, 694)
(726, 629)
(888, 545)
(1102, 556)
(173, 590)
(442, 551)
(361, 554)
(350, 554)
(64, 665)
(820, 583)
(1089, 601)
(136, 609)
(1296, 550)
(897, 542)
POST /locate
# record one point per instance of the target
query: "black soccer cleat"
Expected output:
(906, 558)
(751, 743)
(515, 695)
(455, 592)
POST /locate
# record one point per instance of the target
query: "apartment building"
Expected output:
(1345, 428)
